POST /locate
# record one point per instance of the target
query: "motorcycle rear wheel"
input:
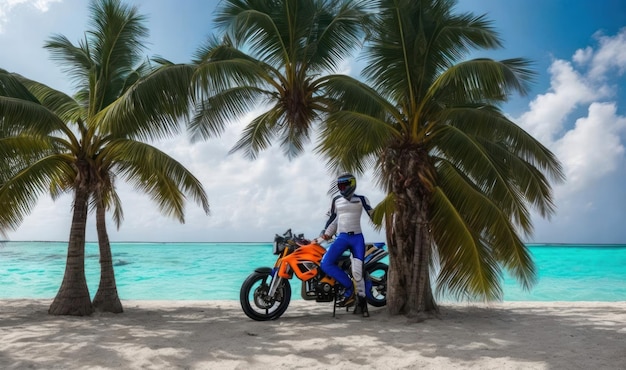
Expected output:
(256, 303)
(377, 276)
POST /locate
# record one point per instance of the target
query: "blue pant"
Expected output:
(356, 244)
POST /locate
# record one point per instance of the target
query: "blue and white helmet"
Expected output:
(346, 184)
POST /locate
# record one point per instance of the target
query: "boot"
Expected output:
(361, 307)
(346, 301)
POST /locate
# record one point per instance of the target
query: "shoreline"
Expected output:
(217, 335)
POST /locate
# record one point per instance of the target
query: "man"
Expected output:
(345, 219)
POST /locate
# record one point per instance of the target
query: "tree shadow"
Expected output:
(216, 333)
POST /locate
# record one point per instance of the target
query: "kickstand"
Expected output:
(334, 305)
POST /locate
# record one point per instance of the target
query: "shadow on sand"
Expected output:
(216, 334)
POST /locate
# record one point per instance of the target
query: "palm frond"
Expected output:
(216, 49)
(316, 35)
(347, 93)
(151, 108)
(467, 153)
(351, 140)
(20, 192)
(417, 40)
(118, 212)
(335, 29)
(23, 116)
(487, 219)
(467, 268)
(529, 181)
(12, 86)
(480, 80)
(479, 210)
(75, 60)
(384, 210)
(258, 134)
(151, 171)
(220, 75)
(65, 107)
(490, 123)
(134, 76)
(293, 137)
(62, 186)
(458, 34)
(503, 155)
(250, 22)
(212, 114)
(26, 149)
(117, 39)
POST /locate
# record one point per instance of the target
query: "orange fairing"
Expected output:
(304, 261)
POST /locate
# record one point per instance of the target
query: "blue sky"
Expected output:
(577, 107)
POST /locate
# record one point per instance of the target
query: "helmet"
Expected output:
(346, 184)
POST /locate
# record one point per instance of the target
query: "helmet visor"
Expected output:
(343, 185)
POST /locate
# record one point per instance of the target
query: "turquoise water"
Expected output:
(215, 271)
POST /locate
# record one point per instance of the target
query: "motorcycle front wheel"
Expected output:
(377, 284)
(255, 301)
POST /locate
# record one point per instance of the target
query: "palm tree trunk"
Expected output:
(408, 236)
(106, 298)
(73, 295)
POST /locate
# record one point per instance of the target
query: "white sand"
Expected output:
(217, 335)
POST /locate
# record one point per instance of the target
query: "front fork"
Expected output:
(276, 281)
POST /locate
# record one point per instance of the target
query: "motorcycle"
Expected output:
(265, 294)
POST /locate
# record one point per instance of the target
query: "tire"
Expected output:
(255, 302)
(376, 284)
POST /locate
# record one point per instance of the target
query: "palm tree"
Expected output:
(32, 137)
(459, 175)
(82, 144)
(274, 54)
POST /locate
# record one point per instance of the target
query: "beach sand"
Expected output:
(217, 335)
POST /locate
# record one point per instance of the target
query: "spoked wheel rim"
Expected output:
(261, 299)
(378, 291)
(255, 301)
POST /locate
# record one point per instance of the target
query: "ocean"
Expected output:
(215, 271)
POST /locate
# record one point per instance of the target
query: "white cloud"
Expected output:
(571, 87)
(44, 5)
(582, 56)
(548, 112)
(593, 148)
(610, 56)
(8, 6)
(579, 120)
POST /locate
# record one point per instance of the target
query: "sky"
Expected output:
(576, 107)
